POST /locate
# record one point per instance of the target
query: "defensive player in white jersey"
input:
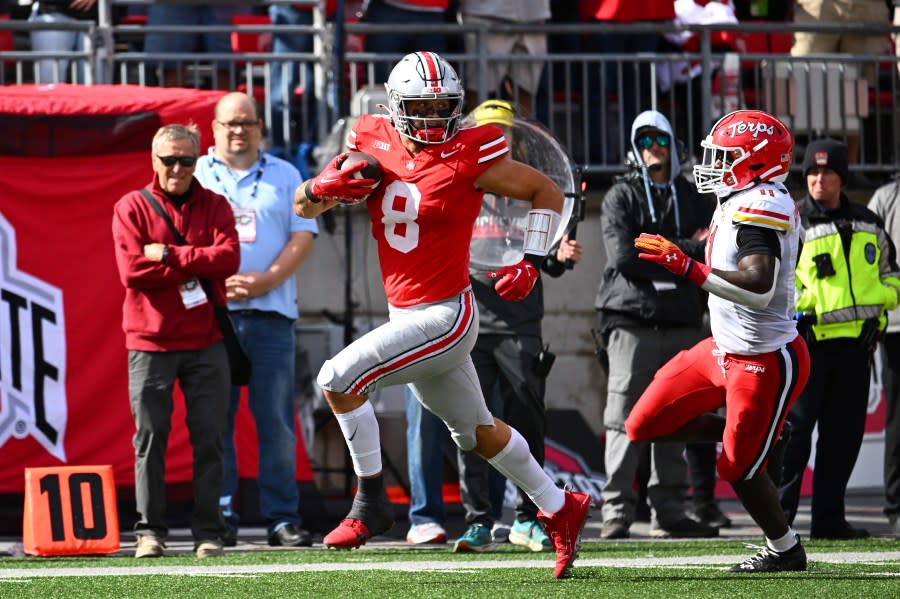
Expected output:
(422, 214)
(755, 364)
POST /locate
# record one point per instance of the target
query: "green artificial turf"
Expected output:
(509, 572)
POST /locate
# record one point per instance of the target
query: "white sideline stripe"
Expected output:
(441, 566)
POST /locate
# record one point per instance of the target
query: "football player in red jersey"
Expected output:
(755, 364)
(422, 213)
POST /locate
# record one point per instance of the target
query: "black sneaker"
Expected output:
(769, 560)
(710, 514)
(230, 538)
(775, 468)
(845, 532)
(685, 528)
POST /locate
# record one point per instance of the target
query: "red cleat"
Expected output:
(564, 529)
(349, 534)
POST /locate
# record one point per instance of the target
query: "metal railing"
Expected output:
(815, 95)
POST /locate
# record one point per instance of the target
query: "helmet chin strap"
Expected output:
(430, 133)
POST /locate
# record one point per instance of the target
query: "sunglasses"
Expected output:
(185, 161)
(235, 125)
(645, 141)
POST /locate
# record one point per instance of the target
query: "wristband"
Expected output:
(697, 272)
(535, 259)
(309, 194)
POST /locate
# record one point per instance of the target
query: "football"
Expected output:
(372, 169)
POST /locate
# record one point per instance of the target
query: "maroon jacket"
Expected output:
(154, 317)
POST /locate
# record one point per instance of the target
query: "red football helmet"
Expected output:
(744, 148)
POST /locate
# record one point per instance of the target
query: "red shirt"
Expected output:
(424, 210)
(154, 316)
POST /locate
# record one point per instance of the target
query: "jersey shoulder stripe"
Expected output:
(745, 215)
(489, 140)
(487, 157)
(766, 206)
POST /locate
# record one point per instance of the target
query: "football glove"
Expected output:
(515, 282)
(658, 249)
(333, 183)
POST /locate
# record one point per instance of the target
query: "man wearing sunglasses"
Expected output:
(172, 282)
(644, 318)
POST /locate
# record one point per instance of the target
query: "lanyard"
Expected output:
(259, 174)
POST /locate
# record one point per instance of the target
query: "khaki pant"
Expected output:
(851, 12)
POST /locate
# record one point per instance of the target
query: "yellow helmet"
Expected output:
(495, 112)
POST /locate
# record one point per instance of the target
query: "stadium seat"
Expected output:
(250, 42)
(6, 40)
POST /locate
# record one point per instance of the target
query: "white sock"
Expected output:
(784, 543)
(360, 429)
(516, 463)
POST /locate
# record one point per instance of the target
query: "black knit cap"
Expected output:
(827, 152)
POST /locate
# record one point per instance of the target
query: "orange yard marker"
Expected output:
(70, 510)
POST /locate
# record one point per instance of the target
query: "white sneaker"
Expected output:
(210, 548)
(148, 546)
(500, 532)
(429, 532)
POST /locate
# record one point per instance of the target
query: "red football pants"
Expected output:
(757, 392)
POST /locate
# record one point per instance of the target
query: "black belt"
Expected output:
(260, 314)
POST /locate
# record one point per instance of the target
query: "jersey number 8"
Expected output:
(400, 209)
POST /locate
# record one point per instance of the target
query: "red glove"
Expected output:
(516, 281)
(333, 183)
(668, 255)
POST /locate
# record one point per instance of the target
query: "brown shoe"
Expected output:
(210, 548)
(149, 546)
(615, 528)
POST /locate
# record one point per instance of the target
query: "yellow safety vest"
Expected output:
(845, 289)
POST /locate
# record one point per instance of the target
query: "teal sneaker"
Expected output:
(477, 539)
(530, 534)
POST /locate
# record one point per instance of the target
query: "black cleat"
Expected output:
(769, 560)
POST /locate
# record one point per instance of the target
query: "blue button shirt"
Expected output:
(268, 188)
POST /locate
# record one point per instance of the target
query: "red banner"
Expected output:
(67, 155)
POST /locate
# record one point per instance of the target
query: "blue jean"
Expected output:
(270, 343)
(425, 438)
(285, 78)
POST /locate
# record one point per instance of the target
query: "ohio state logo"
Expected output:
(32, 354)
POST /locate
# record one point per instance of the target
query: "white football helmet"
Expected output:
(424, 76)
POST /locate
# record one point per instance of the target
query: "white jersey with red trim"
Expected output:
(425, 208)
(737, 328)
